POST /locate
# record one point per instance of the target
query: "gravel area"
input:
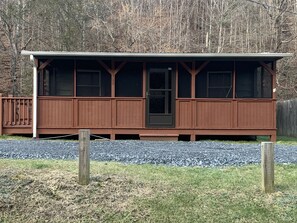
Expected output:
(203, 153)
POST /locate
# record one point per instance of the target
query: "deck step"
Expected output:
(159, 137)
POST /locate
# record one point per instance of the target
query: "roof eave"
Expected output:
(275, 56)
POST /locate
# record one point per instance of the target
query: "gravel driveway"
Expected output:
(203, 153)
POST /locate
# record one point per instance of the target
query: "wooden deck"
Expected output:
(194, 117)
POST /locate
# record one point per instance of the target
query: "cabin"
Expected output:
(150, 95)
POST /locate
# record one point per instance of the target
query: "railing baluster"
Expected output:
(29, 116)
(5, 112)
(18, 111)
(10, 112)
(21, 113)
(14, 111)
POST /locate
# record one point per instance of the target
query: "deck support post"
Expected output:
(273, 137)
(1, 115)
(267, 164)
(84, 157)
(112, 136)
(35, 86)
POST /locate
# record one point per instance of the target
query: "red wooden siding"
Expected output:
(58, 112)
(226, 114)
(184, 113)
(129, 113)
(127, 116)
(256, 114)
(213, 114)
(55, 113)
(94, 113)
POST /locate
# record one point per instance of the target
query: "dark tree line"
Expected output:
(145, 26)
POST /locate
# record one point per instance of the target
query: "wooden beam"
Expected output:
(234, 81)
(176, 80)
(41, 76)
(113, 78)
(201, 67)
(74, 79)
(45, 64)
(105, 66)
(267, 68)
(120, 67)
(144, 95)
(274, 81)
(186, 67)
(144, 79)
(193, 79)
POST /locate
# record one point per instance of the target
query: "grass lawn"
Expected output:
(40, 191)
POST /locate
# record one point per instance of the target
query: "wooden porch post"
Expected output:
(273, 74)
(35, 83)
(234, 104)
(274, 137)
(1, 115)
(272, 71)
(274, 80)
(144, 80)
(112, 79)
(194, 72)
(113, 72)
(193, 103)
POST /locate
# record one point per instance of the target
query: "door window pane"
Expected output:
(157, 80)
(157, 104)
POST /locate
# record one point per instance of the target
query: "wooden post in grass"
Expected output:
(84, 157)
(267, 164)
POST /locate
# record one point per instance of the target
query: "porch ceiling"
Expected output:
(171, 56)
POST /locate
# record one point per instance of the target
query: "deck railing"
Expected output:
(15, 112)
(226, 113)
(129, 113)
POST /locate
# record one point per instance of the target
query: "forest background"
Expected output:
(194, 26)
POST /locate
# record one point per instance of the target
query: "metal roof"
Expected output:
(158, 55)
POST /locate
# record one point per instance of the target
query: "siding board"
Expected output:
(255, 115)
(55, 113)
(129, 113)
(94, 113)
(213, 114)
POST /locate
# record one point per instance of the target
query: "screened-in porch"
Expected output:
(154, 94)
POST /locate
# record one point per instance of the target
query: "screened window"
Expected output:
(129, 80)
(88, 83)
(92, 80)
(253, 81)
(184, 83)
(215, 80)
(57, 79)
(219, 85)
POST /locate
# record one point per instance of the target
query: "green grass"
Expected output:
(143, 193)
(286, 140)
